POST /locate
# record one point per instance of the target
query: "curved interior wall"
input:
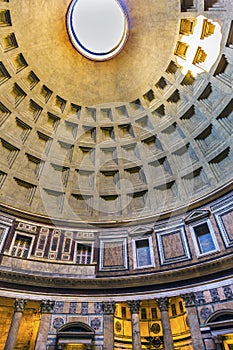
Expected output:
(97, 278)
(182, 252)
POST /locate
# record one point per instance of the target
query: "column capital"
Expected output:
(20, 305)
(189, 299)
(134, 306)
(163, 303)
(109, 307)
(46, 306)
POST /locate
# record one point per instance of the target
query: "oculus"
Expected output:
(98, 29)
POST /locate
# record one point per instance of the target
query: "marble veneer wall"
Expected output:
(172, 244)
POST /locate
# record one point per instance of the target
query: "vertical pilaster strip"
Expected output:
(163, 304)
(46, 307)
(190, 304)
(109, 310)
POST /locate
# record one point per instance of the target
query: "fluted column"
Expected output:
(46, 307)
(136, 336)
(109, 310)
(190, 304)
(163, 304)
(15, 323)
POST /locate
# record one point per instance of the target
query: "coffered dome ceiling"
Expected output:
(129, 138)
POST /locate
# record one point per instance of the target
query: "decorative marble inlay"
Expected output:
(84, 308)
(228, 292)
(205, 312)
(98, 308)
(58, 322)
(214, 294)
(96, 323)
(200, 298)
(189, 299)
(73, 307)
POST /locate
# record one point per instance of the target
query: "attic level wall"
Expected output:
(198, 237)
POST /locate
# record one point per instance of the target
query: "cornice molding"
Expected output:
(14, 278)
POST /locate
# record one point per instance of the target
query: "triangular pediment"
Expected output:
(140, 230)
(197, 215)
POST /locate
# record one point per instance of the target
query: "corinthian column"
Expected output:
(190, 304)
(136, 336)
(163, 304)
(109, 309)
(15, 324)
(46, 307)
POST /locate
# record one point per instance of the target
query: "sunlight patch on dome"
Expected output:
(197, 51)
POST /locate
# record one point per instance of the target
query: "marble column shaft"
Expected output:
(190, 304)
(15, 324)
(136, 336)
(163, 304)
(46, 309)
(109, 309)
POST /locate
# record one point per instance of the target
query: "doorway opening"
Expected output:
(75, 336)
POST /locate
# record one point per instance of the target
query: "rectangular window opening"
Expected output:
(174, 312)
(83, 254)
(154, 313)
(143, 253)
(181, 307)
(143, 314)
(204, 238)
(21, 246)
(123, 311)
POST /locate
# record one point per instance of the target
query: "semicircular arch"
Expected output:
(220, 316)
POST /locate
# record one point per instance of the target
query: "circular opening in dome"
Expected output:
(98, 29)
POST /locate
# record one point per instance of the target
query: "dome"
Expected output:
(116, 165)
(134, 136)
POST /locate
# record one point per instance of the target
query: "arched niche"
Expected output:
(220, 324)
(75, 336)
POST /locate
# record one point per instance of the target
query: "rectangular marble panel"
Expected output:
(224, 218)
(113, 254)
(227, 220)
(173, 246)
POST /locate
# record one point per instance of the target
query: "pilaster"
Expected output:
(46, 308)
(109, 310)
(190, 304)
